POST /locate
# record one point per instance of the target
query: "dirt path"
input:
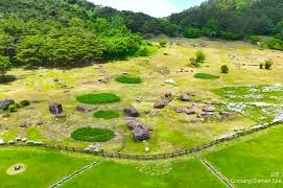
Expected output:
(73, 175)
(216, 173)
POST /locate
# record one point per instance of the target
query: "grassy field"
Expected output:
(47, 167)
(171, 130)
(252, 162)
(43, 167)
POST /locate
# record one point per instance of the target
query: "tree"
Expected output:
(268, 64)
(200, 57)
(192, 32)
(5, 65)
(198, 60)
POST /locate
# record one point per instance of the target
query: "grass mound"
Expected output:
(129, 79)
(109, 114)
(206, 76)
(100, 98)
(92, 134)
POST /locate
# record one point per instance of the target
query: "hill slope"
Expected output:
(62, 33)
(232, 19)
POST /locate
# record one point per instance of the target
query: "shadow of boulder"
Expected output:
(7, 79)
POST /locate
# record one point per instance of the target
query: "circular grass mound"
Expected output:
(109, 114)
(88, 134)
(206, 76)
(129, 79)
(16, 169)
(100, 98)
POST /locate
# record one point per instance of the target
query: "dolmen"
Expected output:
(164, 101)
(56, 109)
(140, 131)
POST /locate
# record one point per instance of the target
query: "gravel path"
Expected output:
(216, 173)
(73, 175)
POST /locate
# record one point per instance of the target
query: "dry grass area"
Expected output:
(170, 130)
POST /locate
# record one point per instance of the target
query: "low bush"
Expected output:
(163, 43)
(99, 98)
(268, 64)
(206, 76)
(109, 114)
(129, 79)
(224, 69)
(198, 59)
(88, 134)
(192, 33)
(24, 103)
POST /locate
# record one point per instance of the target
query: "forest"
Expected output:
(61, 33)
(71, 32)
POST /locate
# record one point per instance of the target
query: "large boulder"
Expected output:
(140, 131)
(4, 104)
(131, 112)
(161, 103)
(55, 108)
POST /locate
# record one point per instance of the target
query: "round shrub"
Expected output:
(24, 103)
(88, 134)
(268, 65)
(206, 76)
(99, 98)
(224, 69)
(128, 79)
(109, 114)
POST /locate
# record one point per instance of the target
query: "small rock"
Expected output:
(168, 94)
(185, 97)
(24, 124)
(161, 104)
(83, 109)
(180, 110)
(131, 112)
(170, 81)
(94, 148)
(39, 122)
(209, 109)
(11, 142)
(2, 142)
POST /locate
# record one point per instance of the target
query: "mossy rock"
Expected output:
(129, 79)
(108, 114)
(206, 76)
(88, 134)
(99, 98)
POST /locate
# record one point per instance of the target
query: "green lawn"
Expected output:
(92, 134)
(179, 174)
(206, 76)
(99, 98)
(109, 114)
(43, 167)
(257, 159)
(129, 79)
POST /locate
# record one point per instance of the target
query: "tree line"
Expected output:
(61, 33)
